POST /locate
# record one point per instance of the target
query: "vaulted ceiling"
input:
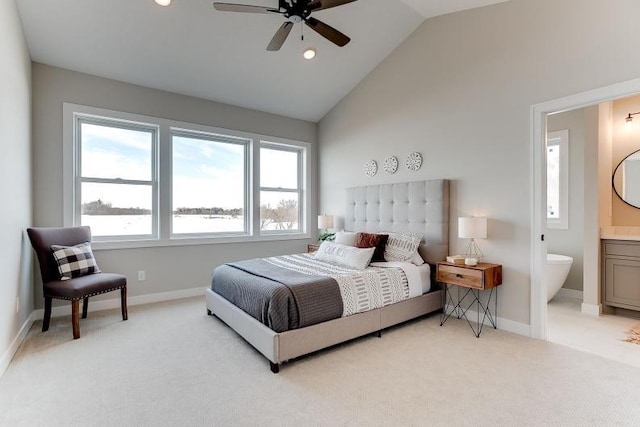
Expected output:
(189, 48)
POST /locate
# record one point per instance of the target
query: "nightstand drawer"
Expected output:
(461, 276)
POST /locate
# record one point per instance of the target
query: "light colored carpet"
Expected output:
(172, 365)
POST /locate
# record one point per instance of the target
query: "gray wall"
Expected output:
(571, 241)
(459, 90)
(167, 268)
(15, 178)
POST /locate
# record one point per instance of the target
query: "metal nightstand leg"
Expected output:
(481, 309)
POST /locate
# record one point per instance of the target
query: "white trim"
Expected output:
(538, 315)
(109, 304)
(570, 293)
(193, 241)
(15, 344)
(538, 311)
(592, 309)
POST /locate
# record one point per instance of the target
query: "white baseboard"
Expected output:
(502, 323)
(592, 309)
(109, 304)
(15, 344)
(570, 293)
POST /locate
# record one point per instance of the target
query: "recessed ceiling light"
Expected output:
(309, 53)
(163, 2)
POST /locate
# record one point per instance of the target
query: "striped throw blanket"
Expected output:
(361, 290)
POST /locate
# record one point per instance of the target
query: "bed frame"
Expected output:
(421, 206)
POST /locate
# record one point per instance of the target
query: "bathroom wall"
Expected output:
(571, 241)
(626, 139)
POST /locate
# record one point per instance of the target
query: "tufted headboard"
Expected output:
(420, 206)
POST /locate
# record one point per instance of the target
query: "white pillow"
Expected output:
(417, 259)
(345, 238)
(344, 255)
(402, 247)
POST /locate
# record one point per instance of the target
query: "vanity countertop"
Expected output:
(620, 233)
(620, 237)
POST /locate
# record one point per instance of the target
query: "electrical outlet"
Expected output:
(18, 305)
(142, 275)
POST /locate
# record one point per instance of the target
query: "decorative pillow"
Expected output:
(74, 261)
(417, 259)
(345, 238)
(402, 246)
(347, 256)
(369, 240)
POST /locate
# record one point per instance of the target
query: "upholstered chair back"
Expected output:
(43, 237)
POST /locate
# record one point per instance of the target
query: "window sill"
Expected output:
(193, 241)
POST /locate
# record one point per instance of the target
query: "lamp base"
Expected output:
(473, 251)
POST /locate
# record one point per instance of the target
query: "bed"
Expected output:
(418, 207)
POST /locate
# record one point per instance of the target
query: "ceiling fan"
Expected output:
(294, 11)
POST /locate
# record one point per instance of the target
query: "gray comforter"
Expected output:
(281, 299)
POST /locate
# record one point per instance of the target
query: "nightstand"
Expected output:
(472, 279)
(312, 248)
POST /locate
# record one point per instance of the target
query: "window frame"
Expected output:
(226, 139)
(164, 181)
(561, 139)
(81, 118)
(299, 190)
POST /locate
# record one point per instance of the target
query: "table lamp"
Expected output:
(472, 228)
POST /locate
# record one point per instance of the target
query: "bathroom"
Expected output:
(591, 140)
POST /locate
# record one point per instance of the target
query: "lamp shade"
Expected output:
(325, 221)
(472, 227)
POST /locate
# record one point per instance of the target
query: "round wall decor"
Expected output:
(371, 168)
(390, 164)
(414, 161)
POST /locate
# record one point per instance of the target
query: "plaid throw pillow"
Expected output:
(74, 261)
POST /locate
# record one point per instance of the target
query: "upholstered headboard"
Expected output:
(420, 206)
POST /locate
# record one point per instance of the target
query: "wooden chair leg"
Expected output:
(85, 307)
(75, 318)
(47, 314)
(123, 303)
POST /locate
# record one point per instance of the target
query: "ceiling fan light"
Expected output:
(309, 53)
(163, 2)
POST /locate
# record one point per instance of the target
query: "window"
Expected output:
(209, 184)
(145, 181)
(280, 188)
(116, 184)
(558, 179)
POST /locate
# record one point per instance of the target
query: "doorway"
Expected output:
(539, 112)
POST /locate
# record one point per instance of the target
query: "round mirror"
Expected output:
(626, 179)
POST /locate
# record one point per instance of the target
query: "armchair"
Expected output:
(74, 289)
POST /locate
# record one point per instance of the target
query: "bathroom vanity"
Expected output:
(621, 273)
(621, 245)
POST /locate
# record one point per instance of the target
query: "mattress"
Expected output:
(295, 291)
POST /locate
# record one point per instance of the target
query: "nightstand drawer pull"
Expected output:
(459, 275)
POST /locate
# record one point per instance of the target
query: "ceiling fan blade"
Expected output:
(327, 31)
(232, 7)
(280, 36)
(327, 4)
